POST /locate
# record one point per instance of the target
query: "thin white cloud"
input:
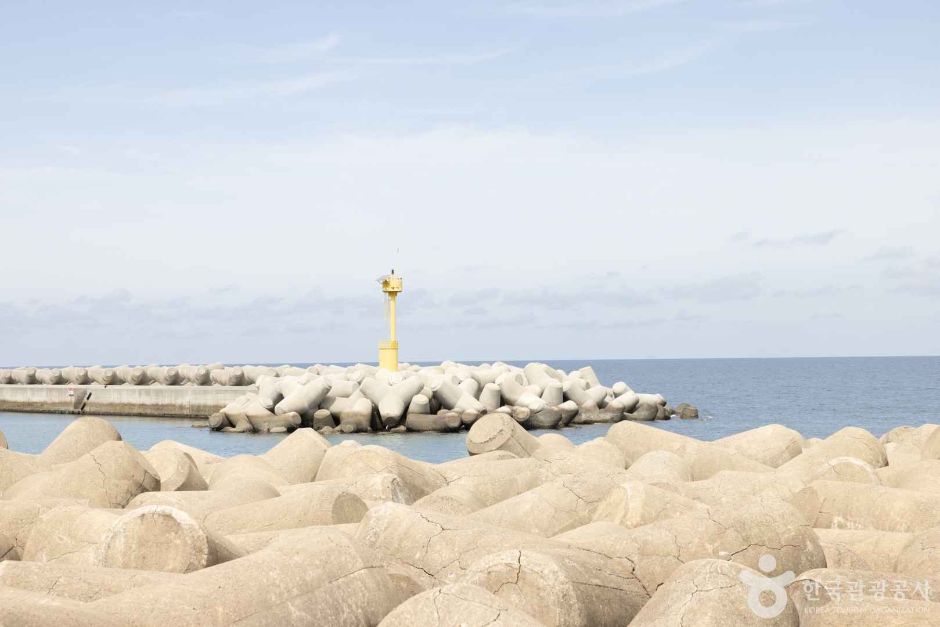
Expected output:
(300, 51)
(821, 238)
(219, 94)
(432, 59)
(595, 8)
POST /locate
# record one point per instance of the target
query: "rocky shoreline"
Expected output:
(347, 399)
(642, 527)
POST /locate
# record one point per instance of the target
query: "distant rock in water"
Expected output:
(686, 411)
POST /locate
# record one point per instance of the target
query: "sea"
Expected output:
(815, 396)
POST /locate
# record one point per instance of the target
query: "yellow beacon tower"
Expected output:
(388, 349)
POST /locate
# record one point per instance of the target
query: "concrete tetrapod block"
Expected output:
(394, 403)
(103, 376)
(863, 549)
(316, 577)
(930, 449)
(18, 517)
(498, 431)
(349, 462)
(902, 454)
(356, 417)
(849, 505)
(457, 604)
(317, 503)
(164, 375)
(245, 467)
(8, 549)
(374, 489)
(305, 398)
(660, 467)
(176, 469)
(451, 396)
(81, 436)
(845, 469)
(34, 609)
(739, 533)
(432, 548)
(634, 503)
(566, 587)
(164, 539)
(715, 593)
(420, 404)
(24, 376)
(200, 503)
(481, 485)
(729, 487)
(440, 423)
(602, 451)
(771, 445)
(548, 440)
(634, 440)
(837, 597)
(269, 391)
(16, 466)
(69, 535)
(202, 459)
(50, 376)
(79, 583)
(921, 556)
(109, 476)
(298, 456)
(551, 508)
(227, 376)
(924, 476)
(847, 442)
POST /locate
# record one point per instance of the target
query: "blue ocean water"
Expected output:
(815, 396)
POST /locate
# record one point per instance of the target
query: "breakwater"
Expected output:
(359, 398)
(640, 526)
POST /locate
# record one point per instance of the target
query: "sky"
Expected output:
(224, 181)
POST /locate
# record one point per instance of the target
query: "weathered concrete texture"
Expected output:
(641, 527)
(319, 503)
(554, 507)
(161, 538)
(79, 583)
(457, 604)
(108, 476)
(83, 435)
(711, 592)
(176, 469)
(849, 505)
(119, 400)
(319, 578)
(772, 445)
(69, 535)
(634, 504)
(349, 461)
(436, 549)
(499, 432)
(921, 556)
(561, 586)
(863, 549)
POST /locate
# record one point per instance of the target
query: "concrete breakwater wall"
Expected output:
(120, 400)
(447, 397)
(642, 526)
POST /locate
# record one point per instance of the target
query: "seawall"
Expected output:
(119, 400)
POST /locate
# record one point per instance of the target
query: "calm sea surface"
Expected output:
(814, 396)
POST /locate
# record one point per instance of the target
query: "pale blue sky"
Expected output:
(223, 180)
